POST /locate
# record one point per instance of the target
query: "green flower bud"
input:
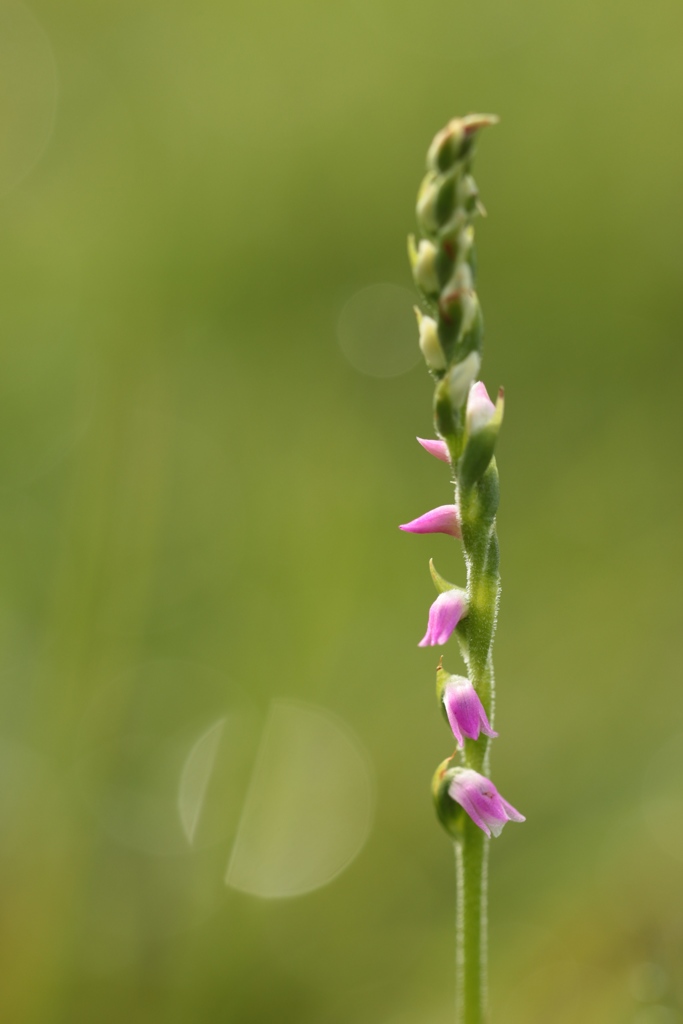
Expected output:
(424, 264)
(446, 146)
(468, 193)
(442, 677)
(461, 377)
(454, 141)
(457, 299)
(483, 426)
(436, 201)
(461, 280)
(429, 342)
(426, 203)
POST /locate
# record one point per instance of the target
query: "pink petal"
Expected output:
(453, 722)
(439, 449)
(444, 615)
(464, 707)
(480, 408)
(443, 519)
(482, 801)
(513, 815)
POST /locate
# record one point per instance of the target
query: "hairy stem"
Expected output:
(471, 865)
(480, 546)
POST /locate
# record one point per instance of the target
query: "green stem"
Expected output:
(471, 859)
(478, 508)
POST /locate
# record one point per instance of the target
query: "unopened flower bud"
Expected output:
(446, 146)
(426, 204)
(444, 519)
(461, 377)
(435, 447)
(452, 142)
(461, 281)
(424, 268)
(482, 420)
(480, 408)
(429, 342)
(436, 201)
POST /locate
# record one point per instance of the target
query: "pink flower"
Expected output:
(482, 801)
(465, 711)
(480, 408)
(439, 449)
(444, 519)
(444, 616)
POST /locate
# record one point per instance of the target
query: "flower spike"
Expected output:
(444, 519)
(466, 424)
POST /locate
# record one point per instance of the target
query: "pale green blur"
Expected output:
(200, 496)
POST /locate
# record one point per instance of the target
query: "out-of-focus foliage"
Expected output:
(200, 496)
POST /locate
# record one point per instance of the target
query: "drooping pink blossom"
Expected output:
(437, 448)
(466, 714)
(444, 615)
(482, 801)
(480, 408)
(444, 519)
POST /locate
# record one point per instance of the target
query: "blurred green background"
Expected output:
(200, 492)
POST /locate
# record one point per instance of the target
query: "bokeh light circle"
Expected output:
(309, 807)
(377, 331)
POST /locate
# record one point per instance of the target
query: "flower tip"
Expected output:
(444, 519)
(474, 122)
(435, 447)
(478, 390)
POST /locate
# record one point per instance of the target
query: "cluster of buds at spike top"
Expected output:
(443, 261)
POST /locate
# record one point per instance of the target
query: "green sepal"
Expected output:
(472, 339)
(436, 200)
(452, 311)
(445, 261)
(447, 425)
(472, 260)
(486, 499)
(442, 677)
(468, 193)
(412, 251)
(479, 448)
(440, 583)
(447, 197)
(450, 814)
